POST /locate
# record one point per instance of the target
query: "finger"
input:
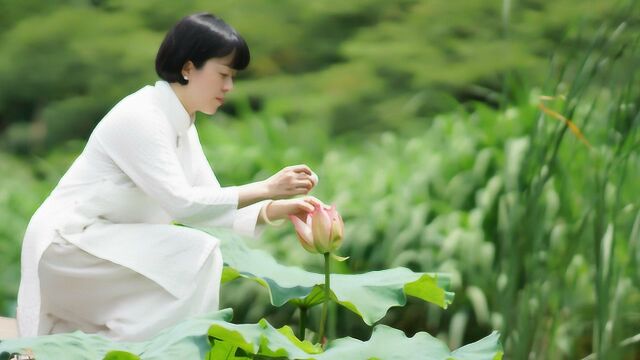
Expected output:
(314, 178)
(301, 168)
(303, 205)
(318, 202)
(310, 178)
(301, 191)
(307, 184)
(314, 200)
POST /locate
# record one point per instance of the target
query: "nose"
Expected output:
(228, 84)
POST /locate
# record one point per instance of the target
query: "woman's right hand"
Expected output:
(281, 209)
(291, 181)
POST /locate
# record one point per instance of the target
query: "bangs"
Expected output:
(241, 56)
(240, 50)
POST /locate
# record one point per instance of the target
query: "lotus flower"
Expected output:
(321, 231)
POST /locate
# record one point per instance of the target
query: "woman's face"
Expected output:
(209, 85)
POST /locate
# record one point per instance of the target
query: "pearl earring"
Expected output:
(185, 77)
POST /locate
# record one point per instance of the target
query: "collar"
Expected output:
(176, 113)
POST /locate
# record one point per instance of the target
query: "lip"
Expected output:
(220, 99)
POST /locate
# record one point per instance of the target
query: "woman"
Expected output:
(101, 254)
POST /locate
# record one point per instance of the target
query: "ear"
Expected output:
(187, 69)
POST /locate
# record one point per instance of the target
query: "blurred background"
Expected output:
(496, 141)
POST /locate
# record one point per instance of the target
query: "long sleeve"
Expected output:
(141, 142)
(246, 220)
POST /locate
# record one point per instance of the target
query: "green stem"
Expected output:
(327, 292)
(303, 322)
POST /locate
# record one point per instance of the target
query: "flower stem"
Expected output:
(303, 322)
(327, 292)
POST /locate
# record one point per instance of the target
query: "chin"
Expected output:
(210, 111)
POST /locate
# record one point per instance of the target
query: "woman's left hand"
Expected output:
(291, 181)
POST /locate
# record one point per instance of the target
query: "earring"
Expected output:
(185, 77)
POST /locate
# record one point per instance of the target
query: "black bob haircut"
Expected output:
(199, 37)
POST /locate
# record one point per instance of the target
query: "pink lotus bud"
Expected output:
(322, 230)
(337, 228)
(303, 230)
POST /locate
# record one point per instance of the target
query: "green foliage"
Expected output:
(545, 178)
(12, 12)
(385, 343)
(402, 61)
(67, 86)
(369, 295)
(389, 343)
(261, 338)
(367, 66)
(185, 340)
(120, 355)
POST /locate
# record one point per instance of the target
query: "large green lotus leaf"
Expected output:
(369, 295)
(261, 338)
(389, 343)
(186, 340)
(385, 343)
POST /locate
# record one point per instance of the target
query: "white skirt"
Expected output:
(84, 292)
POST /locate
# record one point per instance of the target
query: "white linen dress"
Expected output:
(102, 255)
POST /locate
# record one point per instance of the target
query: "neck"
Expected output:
(181, 93)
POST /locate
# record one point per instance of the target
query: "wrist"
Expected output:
(268, 216)
(263, 191)
(251, 193)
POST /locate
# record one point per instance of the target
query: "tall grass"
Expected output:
(593, 94)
